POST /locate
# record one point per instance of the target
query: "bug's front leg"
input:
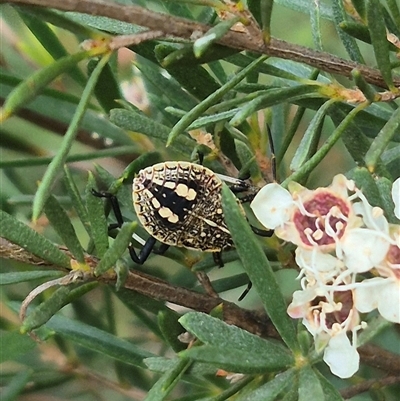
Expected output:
(114, 205)
(144, 252)
(148, 246)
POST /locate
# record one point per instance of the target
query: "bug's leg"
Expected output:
(149, 244)
(239, 187)
(246, 291)
(114, 205)
(200, 155)
(261, 232)
(144, 252)
(218, 258)
(245, 175)
(273, 158)
(161, 250)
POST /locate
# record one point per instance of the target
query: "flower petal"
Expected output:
(367, 294)
(341, 357)
(363, 249)
(389, 301)
(272, 205)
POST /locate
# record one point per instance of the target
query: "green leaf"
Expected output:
(357, 30)
(47, 309)
(186, 70)
(51, 99)
(315, 22)
(44, 161)
(359, 5)
(269, 391)
(168, 86)
(50, 41)
(97, 218)
(168, 380)
(377, 29)
(305, 7)
(345, 124)
(242, 60)
(202, 44)
(13, 345)
(21, 277)
(98, 340)
(31, 87)
(258, 268)
(63, 21)
(330, 391)
(231, 359)
(311, 137)
(140, 123)
(171, 329)
(367, 89)
(63, 226)
(232, 348)
(273, 97)
(266, 14)
(118, 247)
(141, 162)
(107, 89)
(394, 8)
(350, 44)
(309, 385)
(382, 140)
(20, 234)
(16, 386)
(76, 198)
(376, 326)
(366, 183)
(58, 161)
(384, 186)
(185, 121)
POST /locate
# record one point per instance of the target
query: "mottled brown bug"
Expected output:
(179, 204)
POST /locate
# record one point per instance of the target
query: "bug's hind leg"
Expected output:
(218, 259)
(261, 232)
(246, 291)
(114, 205)
(161, 249)
(149, 244)
(144, 252)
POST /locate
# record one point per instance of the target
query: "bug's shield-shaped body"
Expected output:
(179, 204)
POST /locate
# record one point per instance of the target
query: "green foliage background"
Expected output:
(69, 109)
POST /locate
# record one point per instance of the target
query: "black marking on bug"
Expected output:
(179, 204)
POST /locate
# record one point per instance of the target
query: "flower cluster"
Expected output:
(339, 236)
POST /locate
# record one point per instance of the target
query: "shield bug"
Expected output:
(179, 204)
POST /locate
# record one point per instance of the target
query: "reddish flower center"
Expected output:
(338, 316)
(393, 257)
(325, 220)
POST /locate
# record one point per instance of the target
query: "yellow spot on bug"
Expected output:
(155, 203)
(169, 184)
(168, 214)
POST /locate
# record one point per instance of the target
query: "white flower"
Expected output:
(272, 205)
(328, 314)
(396, 197)
(341, 356)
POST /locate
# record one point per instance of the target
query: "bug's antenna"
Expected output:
(272, 150)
